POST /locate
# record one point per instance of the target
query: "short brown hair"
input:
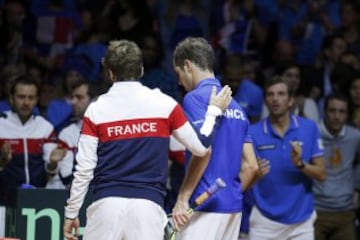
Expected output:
(276, 80)
(124, 59)
(196, 50)
(25, 80)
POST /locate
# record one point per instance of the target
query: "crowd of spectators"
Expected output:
(314, 45)
(59, 41)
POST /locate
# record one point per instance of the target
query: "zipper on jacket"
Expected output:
(26, 164)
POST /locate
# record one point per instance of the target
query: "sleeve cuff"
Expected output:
(71, 214)
(210, 118)
(213, 111)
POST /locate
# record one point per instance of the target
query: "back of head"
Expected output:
(196, 50)
(124, 59)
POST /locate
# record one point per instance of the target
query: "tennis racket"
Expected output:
(170, 231)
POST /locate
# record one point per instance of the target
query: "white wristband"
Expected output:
(210, 117)
(214, 110)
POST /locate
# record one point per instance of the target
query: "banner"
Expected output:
(39, 214)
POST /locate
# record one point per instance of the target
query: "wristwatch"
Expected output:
(301, 165)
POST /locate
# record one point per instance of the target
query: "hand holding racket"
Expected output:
(170, 231)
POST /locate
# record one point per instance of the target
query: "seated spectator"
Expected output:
(24, 151)
(62, 158)
(334, 198)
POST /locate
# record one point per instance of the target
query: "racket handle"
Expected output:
(219, 183)
(170, 232)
